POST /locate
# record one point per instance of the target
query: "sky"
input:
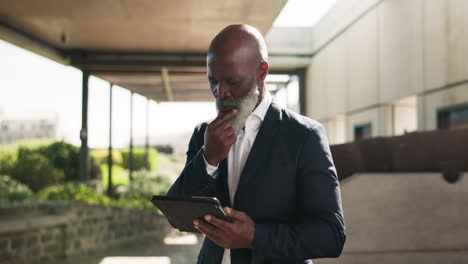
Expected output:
(302, 13)
(33, 87)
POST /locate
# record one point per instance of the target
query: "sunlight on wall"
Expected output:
(303, 13)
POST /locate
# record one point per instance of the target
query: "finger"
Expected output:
(238, 215)
(225, 117)
(229, 130)
(206, 226)
(226, 125)
(216, 240)
(231, 139)
(223, 127)
(205, 232)
(209, 230)
(226, 134)
(221, 224)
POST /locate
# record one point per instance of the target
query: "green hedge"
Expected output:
(7, 161)
(73, 192)
(87, 195)
(65, 157)
(39, 166)
(13, 191)
(35, 170)
(146, 184)
(139, 158)
(101, 156)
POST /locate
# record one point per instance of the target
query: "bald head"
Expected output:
(241, 40)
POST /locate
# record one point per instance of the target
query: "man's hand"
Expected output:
(238, 234)
(219, 137)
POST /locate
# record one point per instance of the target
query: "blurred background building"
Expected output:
(19, 129)
(387, 78)
(383, 68)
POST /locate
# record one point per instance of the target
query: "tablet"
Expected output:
(181, 211)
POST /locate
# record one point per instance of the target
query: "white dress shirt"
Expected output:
(239, 152)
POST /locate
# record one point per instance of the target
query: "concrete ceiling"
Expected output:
(129, 25)
(184, 86)
(152, 47)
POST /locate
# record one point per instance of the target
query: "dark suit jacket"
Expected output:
(289, 187)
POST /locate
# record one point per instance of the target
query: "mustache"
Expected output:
(226, 106)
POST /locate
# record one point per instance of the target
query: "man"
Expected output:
(270, 167)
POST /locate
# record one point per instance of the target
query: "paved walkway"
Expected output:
(175, 250)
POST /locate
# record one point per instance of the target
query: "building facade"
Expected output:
(12, 130)
(387, 67)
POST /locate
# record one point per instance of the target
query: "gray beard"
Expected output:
(244, 107)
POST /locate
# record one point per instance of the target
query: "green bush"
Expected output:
(146, 184)
(139, 158)
(65, 157)
(13, 191)
(35, 170)
(39, 165)
(101, 155)
(87, 195)
(119, 176)
(94, 169)
(9, 152)
(7, 161)
(73, 192)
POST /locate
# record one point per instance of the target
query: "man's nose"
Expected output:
(223, 91)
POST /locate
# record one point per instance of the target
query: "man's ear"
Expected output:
(263, 70)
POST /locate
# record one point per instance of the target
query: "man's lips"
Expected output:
(227, 108)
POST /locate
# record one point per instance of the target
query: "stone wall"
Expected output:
(61, 229)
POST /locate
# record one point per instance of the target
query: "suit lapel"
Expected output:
(223, 174)
(261, 146)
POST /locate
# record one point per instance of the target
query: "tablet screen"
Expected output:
(181, 211)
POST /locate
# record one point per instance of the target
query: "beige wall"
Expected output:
(362, 62)
(404, 218)
(445, 42)
(405, 119)
(400, 48)
(336, 129)
(316, 88)
(388, 50)
(336, 77)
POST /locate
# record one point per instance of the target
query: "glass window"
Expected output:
(363, 131)
(453, 117)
